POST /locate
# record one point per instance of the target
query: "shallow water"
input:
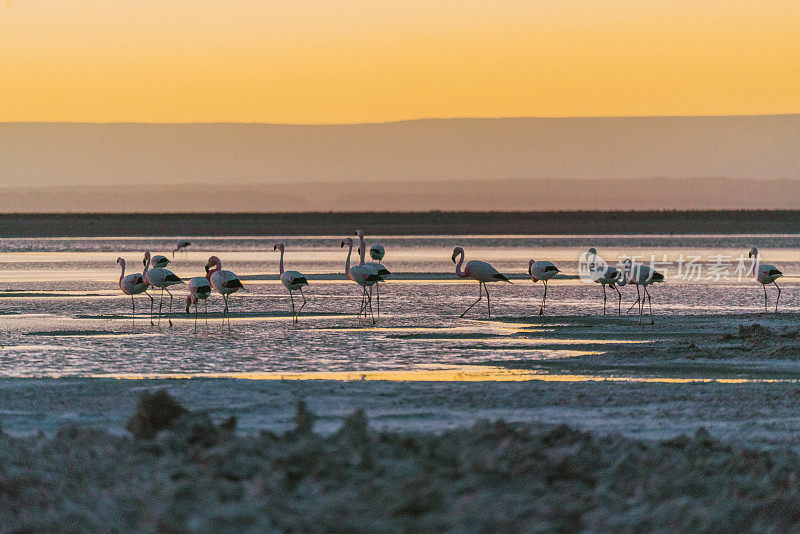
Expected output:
(62, 314)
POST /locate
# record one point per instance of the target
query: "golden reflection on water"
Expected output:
(472, 373)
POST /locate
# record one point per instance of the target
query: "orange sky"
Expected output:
(321, 61)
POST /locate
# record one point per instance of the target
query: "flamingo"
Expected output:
(362, 275)
(225, 282)
(766, 274)
(133, 284)
(180, 248)
(161, 278)
(376, 252)
(541, 270)
(380, 270)
(199, 289)
(480, 271)
(606, 275)
(292, 280)
(159, 261)
(642, 275)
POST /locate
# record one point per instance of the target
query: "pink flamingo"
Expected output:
(161, 278)
(133, 284)
(362, 275)
(542, 270)
(292, 280)
(480, 271)
(199, 289)
(641, 275)
(225, 282)
(379, 269)
(765, 275)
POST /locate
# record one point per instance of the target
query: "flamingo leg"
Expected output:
(169, 317)
(160, 304)
(378, 297)
(152, 300)
(195, 316)
(544, 298)
(779, 296)
(764, 286)
(291, 300)
(488, 301)
(637, 300)
(205, 308)
(480, 296)
(133, 311)
(363, 302)
(604, 298)
(304, 301)
(363, 308)
(369, 302)
(650, 304)
(619, 301)
(224, 311)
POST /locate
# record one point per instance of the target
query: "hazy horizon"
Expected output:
(422, 164)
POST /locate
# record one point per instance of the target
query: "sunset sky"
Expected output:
(320, 61)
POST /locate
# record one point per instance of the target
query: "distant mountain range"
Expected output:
(450, 164)
(486, 195)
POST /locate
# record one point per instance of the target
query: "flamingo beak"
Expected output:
(275, 248)
(342, 245)
(453, 258)
(529, 269)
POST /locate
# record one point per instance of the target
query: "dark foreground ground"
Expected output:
(401, 223)
(197, 476)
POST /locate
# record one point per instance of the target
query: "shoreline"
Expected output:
(400, 223)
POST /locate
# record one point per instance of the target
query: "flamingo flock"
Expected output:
(365, 274)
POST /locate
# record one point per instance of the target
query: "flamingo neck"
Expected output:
(347, 261)
(361, 248)
(146, 266)
(122, 275)
(281, 265)
(212, 270)
(459, 272)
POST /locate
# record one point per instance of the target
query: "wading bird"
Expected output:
(225, 282)
(541, 270)
(362, 275)
(376, 252)
(379, 269)
(133, 284)
(159, 261)
(765, 274)
(641, 275)
(182, 245)
(292, 280)
(160, 278)
(605, 275)
(199, 289)
(480, 271)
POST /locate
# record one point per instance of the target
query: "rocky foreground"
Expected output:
(177, 471)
